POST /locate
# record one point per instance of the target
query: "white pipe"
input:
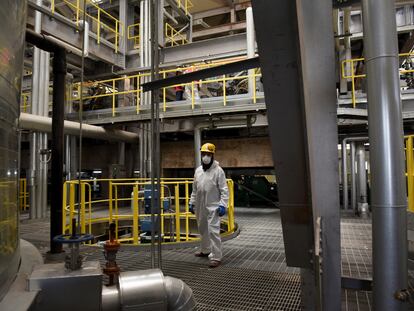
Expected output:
(44, 124)
(250, 43)
(85, 26)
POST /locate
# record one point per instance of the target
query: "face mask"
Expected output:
(206, 159)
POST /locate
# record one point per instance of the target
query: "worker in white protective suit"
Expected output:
(209, 202)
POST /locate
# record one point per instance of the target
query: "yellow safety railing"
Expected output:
(124, 205)
(133, 34)
(185, 5)
(174, 37)
(23, 195)
(113, 88)
(24, 103)
(348, 71)
(101, 20)
(409, 162)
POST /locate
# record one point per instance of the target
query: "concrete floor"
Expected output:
(254, 275)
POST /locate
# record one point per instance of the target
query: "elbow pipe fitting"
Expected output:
(148, 290)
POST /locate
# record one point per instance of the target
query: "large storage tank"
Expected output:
(12, 30)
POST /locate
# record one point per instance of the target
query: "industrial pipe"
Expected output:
(250, 45)
(148, 290)
(345, 141)
(353, 179)
(44, 124)
(385, 128)
(362, 180)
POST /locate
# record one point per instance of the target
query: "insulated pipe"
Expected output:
(34, 139)
(345, 168)
(44, 124)
(385, 128)
(250, 38)
(353, 179)
(362, 177)
(85, 26)
(148, 290)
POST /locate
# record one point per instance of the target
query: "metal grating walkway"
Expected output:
(254, 275)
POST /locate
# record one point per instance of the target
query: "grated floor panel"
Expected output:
(254, 275)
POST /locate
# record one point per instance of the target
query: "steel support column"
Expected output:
(388, 189)
(59, 74)
(299, 84)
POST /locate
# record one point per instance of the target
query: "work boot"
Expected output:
(214, 263)
(201, 254)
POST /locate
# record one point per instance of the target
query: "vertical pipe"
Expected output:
(59, 74)
(197, 146)
(45, 137)
(362, 175)
(33, 191)
(40, 108)
(353, 179)
(389, 200)
(250, 38)
(344, 175)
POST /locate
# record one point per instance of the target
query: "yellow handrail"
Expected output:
(115, 208)
(174, 37)
(111, 24)
(23, 194)
(112, 87)
(133, 35)
(409, 158)
(348, 72)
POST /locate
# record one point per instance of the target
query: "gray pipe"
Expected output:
(353, 179)
(197, 146)
(148, 290)
(362, 180)
(44, 124)
(34, 139)
(389, 198)
(345, 141)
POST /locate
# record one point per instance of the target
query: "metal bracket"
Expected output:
(317, 261)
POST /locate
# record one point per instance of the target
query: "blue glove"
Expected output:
(221, 210)
(191, 209)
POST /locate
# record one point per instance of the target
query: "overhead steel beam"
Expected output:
(203, 74)
(219, 29)
(298, 68)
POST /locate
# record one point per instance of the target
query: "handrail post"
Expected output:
(138, 90)
(177, 214)
(77, 12)
(113, 98)
(82, 210)
(192, 95)
(98, 31)
(187, 223)
(71, 205)
(110, 202)
(410, 173)
(353, 85)
(224, 90)
(116, 36)
(135, 226)
(164, 95)
(65, 190)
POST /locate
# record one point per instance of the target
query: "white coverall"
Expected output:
(209, 192)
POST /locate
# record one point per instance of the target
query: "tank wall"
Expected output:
(12, 30)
